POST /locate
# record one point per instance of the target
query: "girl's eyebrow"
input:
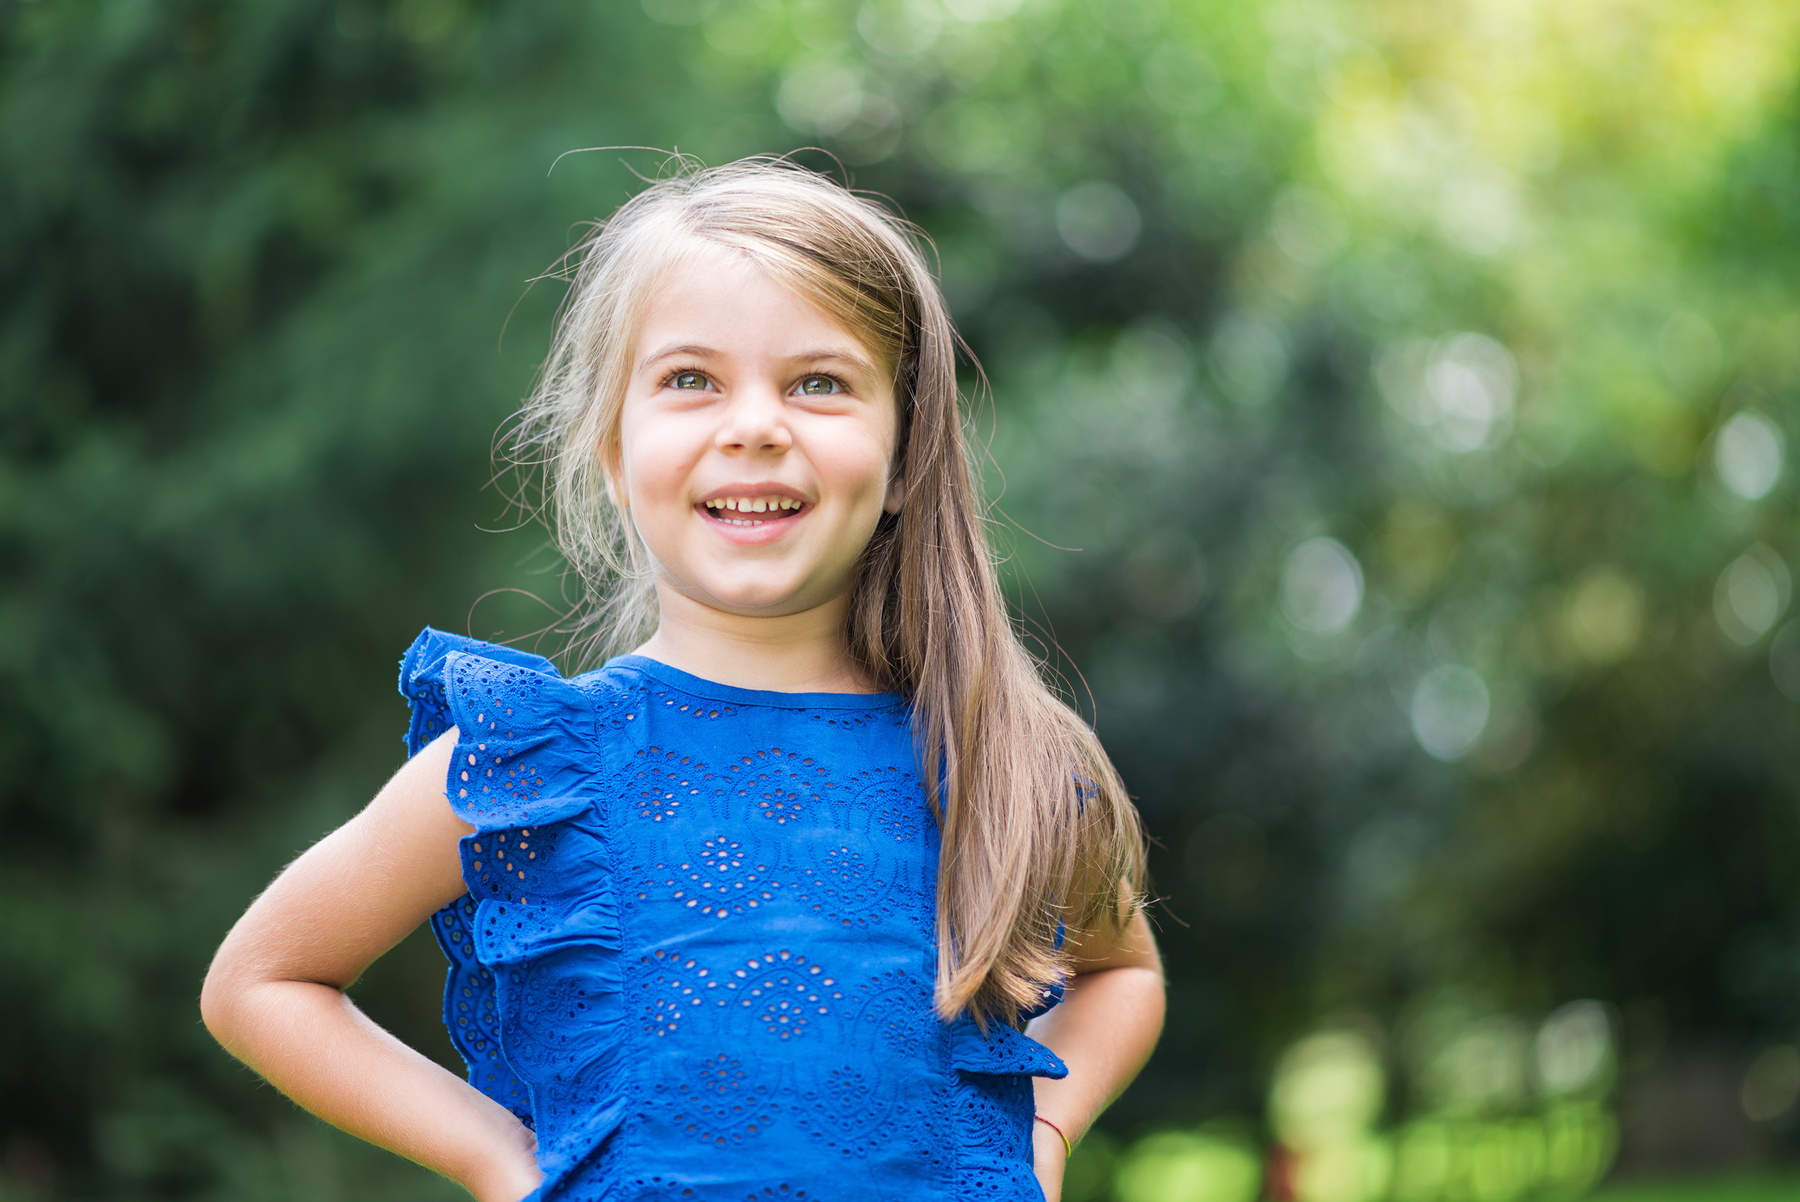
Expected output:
(840, 354)
(679, 349)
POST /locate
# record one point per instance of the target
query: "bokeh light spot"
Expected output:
(1748, 454)
(1449, 711)
(1574, 1049)
(1481, 1067)
(1328, 1086)
(1605, 615)
(899, 28)
(1471, 380)
(1461, 389)
(1184, 1166)
(820, 98)
(1098, 221)
(1321, 586)
(1480, 214)
(1784, 660)
(1751, 595)
(1773, 1083)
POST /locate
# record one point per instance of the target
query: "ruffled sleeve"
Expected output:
(527, 772)
(1001, 1050)
(525, 733)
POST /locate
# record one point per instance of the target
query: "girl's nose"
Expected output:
(755, 421)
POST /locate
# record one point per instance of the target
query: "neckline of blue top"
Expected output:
(698, 686)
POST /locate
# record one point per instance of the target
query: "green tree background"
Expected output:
(1415, 380)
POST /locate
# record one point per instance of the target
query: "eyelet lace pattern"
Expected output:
(698, 947)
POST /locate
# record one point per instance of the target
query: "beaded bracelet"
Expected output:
(1068, 1148)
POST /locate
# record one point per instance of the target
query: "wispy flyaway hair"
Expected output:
(1035, 822)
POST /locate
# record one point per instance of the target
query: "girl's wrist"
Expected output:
(508, 1170)
(1049, 1158)
(1047, 1137)
(1056, 1133)
(508, 1182)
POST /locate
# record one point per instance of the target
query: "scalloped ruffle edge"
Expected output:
(541, 920)
(991, 1110)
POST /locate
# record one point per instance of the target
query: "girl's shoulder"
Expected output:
(528, 739)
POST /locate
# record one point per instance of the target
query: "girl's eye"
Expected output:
(687, 379)
(820, 386)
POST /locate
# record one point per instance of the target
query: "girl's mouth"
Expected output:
(751, 511)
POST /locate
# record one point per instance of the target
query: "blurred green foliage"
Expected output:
(1416, 379)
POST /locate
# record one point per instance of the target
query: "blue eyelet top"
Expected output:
(698, 949)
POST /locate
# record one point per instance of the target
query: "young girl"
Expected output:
(761, 909)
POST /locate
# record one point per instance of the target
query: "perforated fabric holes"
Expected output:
(725, 1101)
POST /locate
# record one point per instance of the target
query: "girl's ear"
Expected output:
(896, 494)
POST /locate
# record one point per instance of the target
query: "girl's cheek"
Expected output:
(855, 455)
(658, 456)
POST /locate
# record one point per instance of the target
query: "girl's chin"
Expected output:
(763, 598)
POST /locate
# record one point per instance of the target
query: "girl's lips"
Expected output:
(751, 529)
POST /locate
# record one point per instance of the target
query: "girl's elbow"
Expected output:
(222, 995)
(216, 1003)
(1153, 996)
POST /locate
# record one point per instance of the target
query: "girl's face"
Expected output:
(757, 438)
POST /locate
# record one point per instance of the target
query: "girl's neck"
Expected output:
(788, 653)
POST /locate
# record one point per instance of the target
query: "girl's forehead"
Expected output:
(726, 290)
(704, 263)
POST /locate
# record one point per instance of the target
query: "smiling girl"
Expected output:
(818, 892)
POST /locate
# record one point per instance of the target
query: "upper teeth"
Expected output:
(753, 504)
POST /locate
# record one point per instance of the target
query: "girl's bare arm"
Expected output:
(1104, 1030)
(274, 995)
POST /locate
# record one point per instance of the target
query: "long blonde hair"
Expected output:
(1035, 823)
